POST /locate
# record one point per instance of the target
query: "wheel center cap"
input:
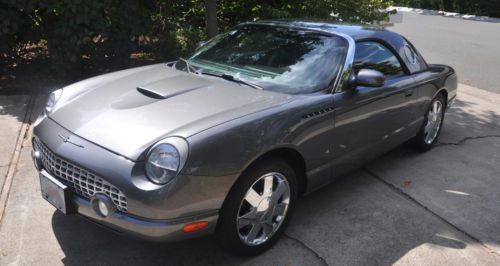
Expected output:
(264, 205)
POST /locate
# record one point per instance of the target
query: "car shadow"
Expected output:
(359, 214)
(85, 243)
(358, 220)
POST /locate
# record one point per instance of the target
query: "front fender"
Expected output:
(228, 149)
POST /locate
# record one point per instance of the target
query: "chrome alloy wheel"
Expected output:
(263, 209)
(434, 119)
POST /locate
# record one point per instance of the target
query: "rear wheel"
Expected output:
(433, 123)
(258, 208)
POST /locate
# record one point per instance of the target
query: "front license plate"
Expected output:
(55, 192)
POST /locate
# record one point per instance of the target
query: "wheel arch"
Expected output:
(443, 92)
(291, 155)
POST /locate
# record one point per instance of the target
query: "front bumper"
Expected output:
(120, 222)
(153, 212)
(153, 230)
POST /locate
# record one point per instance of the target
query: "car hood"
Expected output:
(128, 111)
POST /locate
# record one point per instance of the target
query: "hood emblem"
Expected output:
(66, 140)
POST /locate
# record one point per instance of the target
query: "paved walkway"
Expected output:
(13, 110)
(437, 208)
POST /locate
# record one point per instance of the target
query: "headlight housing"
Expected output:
(54, 97)
(166, 159)
(52, 101)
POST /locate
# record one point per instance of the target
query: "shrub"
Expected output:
(93, 32)
(19, 25)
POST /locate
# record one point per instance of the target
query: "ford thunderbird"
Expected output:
(225, 141)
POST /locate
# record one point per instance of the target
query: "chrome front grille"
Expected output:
(81, 181)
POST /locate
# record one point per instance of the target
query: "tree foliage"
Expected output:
(79, 30)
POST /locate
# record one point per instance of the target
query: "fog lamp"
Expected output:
(103, 209)
(102, 205)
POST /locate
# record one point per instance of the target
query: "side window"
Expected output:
(413, 60)
(410, 55)
(373, 55)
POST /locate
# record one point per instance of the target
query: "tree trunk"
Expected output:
(211, 17)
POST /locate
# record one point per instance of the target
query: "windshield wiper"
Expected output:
(233, 79)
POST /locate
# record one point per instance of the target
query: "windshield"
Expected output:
(274, 58)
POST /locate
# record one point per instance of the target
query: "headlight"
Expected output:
(52, 101)
(166, 159)
(163, 163)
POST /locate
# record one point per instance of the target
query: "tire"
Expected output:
(426, 139)
(233, 233)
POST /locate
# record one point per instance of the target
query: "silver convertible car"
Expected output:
(226, 140)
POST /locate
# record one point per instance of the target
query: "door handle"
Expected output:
(409, 92)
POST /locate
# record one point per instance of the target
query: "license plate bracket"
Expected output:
(56, 193)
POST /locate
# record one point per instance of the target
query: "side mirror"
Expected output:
(369, 78)
(200, 44)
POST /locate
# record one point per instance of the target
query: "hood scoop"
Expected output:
(172, 86)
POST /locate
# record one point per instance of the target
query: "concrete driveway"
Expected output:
(436, 208)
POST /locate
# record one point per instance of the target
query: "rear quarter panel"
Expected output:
(436, 79)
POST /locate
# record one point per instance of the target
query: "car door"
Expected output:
(369, 121)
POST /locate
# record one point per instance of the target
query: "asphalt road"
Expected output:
(471, 47)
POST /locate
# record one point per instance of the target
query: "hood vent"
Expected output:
(150, 94)
(173, 86)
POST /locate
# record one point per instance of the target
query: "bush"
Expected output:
(96, 32)
(19, 25)
(96, 29)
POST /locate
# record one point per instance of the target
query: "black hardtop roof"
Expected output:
(357, 32)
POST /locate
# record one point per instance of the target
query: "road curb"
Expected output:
(446, 14)
(485, 95)
(4, 194)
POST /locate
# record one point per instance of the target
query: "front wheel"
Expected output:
(431, 128)
(258, 208)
